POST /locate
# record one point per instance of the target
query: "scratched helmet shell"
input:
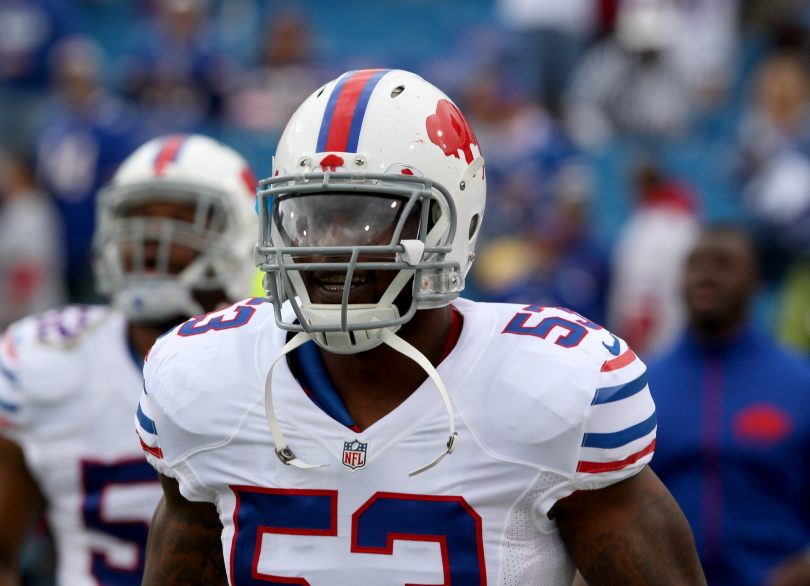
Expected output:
(383, 146)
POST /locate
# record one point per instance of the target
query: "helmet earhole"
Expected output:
(320, 91)
(397, 90)
(473, 225)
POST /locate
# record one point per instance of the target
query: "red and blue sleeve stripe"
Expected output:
(346, 109)
(621, 424)
(619, 392)
(8, 407)
(617, 439)
(147, 430)
(146, 423)
(597, 467)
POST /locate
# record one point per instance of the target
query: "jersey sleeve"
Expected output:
(38, 368)
(618, 431)
(161, 435)
(13, 410)
(146, 429)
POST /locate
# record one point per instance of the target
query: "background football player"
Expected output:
(368, 426)
(175, 233)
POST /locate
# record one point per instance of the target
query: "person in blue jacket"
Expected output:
(734, 425)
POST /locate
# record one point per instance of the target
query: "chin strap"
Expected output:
(287, 456)
(403, 347)
(284, 453)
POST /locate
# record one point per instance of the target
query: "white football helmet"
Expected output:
(361, 160)
(133, 253)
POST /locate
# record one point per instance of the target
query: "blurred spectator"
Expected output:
(778, 201)
(525, 150)
(28, 31)
(85, 135)
(705, 50)
(285, 74)
(629, 83)
(558, 263)
(734, 425)
(176, 72)
(773, 150)
(553, 37)
(779, 118)
(769, 16)
(794, 306)
(536, 244)
(645, 304)
(30, 244)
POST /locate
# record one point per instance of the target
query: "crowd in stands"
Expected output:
(606, 125)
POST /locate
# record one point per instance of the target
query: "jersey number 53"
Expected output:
(384, 518)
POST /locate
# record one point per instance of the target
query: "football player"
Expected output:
(175, 237)
(365, 425)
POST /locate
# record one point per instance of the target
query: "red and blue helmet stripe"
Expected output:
(345, 110)
(168, 152)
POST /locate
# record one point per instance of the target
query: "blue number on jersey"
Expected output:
(384, 518)
(577, 328)
(212, 322)
(267, 510)
(447, 520)
(576, 332)
(97, 477)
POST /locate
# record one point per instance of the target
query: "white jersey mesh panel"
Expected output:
(533, 550)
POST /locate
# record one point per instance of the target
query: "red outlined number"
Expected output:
(385, 518)
(223, 319)
(570, 332)
(97, 479)
(447, 520)
(262, 511)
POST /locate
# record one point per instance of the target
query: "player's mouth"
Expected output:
(150, 267)
(329, 286)
(705, 294)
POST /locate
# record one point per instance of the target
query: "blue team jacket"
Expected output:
(733, 447)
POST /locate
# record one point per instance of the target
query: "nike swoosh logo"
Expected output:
(614, 348)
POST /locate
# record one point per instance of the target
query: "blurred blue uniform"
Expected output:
(577, 279)
(733, 448)
(77, 153)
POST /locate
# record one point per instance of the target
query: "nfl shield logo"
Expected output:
(354, 454)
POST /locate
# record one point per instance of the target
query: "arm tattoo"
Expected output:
(184, 548)
(649, 544)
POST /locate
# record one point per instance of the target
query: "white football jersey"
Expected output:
(546, 403)
(68, 387)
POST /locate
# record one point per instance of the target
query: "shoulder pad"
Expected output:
(42, 361)
(40, 354)
(202, 379)
(548, 364)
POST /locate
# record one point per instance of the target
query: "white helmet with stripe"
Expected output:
(378, 170)
(151, 260)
